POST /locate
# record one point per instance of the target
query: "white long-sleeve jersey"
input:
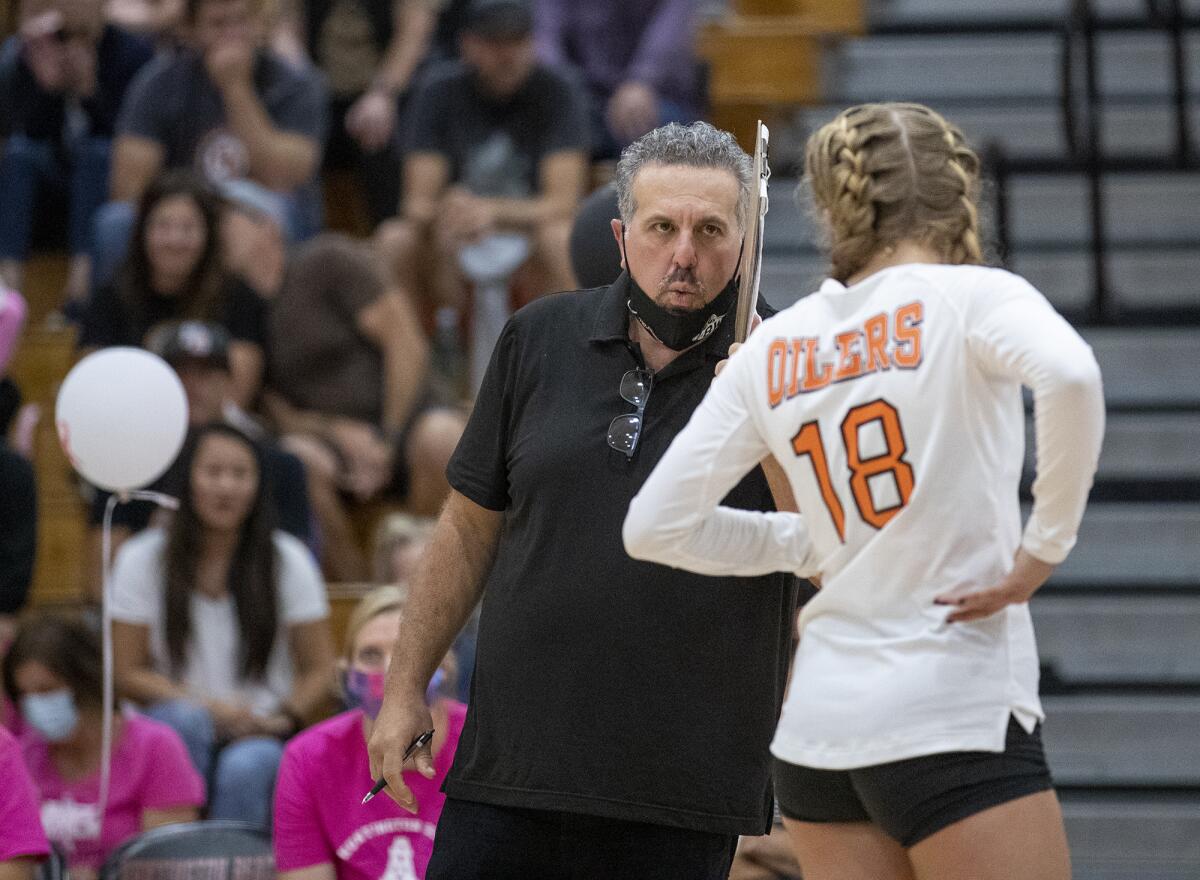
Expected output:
(895, 408)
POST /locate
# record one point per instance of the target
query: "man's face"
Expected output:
(207, 386)
(502, 64)
(683, 241)
(226, 21)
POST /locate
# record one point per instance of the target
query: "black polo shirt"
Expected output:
(603, 685)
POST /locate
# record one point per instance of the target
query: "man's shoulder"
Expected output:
(570, 312)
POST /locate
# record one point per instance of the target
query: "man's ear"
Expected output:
(618, 228)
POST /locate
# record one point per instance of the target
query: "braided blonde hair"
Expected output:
(886, 173)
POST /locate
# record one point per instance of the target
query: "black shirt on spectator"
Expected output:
(603, 685)
(18, 529)
(109, 321)
(495, 146)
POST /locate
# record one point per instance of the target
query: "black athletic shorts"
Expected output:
(484, 842)
(912, 799)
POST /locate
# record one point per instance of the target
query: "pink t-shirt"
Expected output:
(319, 815)
(21, 831)
(150, 771)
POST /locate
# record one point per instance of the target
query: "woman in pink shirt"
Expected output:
(22, 841)
(53, 674)
(323, 830)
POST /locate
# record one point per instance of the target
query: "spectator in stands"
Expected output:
(636, 57)
(496, 145)
(18, 536)
(53, 672)
(23, 843)
(221, 624)
(158, 20)
(174, 272)
(595, 257)
(226, 106)
(62, 79)
(370, 53)
(350, 390)
(199, 353)
(18, 491)
(399, 542)
(327, 768)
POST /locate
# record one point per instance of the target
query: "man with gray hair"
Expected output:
(620, 712)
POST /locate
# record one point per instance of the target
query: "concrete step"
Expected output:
(1133, 836)
(1145, 366)
(938, 67)
(1143, 279)
(1147, 217)
(1123, 740)
(1119, 639)
(908, 12)
(1144, 208)
(1146, 446)
(1152, 278)
(1132, 545)
(1036, 130)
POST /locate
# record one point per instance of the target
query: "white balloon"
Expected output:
(122, 417)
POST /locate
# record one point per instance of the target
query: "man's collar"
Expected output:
(612, 317)
(612, 323)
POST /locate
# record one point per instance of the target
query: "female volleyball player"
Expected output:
(909, 744)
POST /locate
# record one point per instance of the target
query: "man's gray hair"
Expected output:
(698, 145)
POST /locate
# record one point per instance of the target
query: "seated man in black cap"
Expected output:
(495, 164)
(198, 351)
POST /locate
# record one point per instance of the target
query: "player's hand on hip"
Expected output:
(400, 722)
(1028, 573)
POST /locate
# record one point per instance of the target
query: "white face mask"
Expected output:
(52, 714)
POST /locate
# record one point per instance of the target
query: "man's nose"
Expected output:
(684, 255)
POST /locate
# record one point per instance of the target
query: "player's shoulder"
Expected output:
(955, 280)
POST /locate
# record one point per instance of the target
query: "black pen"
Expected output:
(381, 784)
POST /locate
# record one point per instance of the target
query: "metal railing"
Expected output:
(1082, 107)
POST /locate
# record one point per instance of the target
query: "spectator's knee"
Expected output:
(320, 463)
(249, 762)
(397, 240)
(433, 440)
(553, 238)
(189, 718)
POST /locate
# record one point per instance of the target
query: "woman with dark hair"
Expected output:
(53, 673)
(174, 272)
(221, 624)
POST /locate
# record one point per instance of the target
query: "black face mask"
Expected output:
(680, 330)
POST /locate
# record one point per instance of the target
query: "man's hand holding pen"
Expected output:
(399, 733)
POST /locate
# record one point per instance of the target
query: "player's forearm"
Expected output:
(444, 591)
(278, 159)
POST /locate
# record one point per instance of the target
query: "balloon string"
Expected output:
(107, 662)
(161, 500)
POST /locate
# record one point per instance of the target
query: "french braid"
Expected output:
(886, 173)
